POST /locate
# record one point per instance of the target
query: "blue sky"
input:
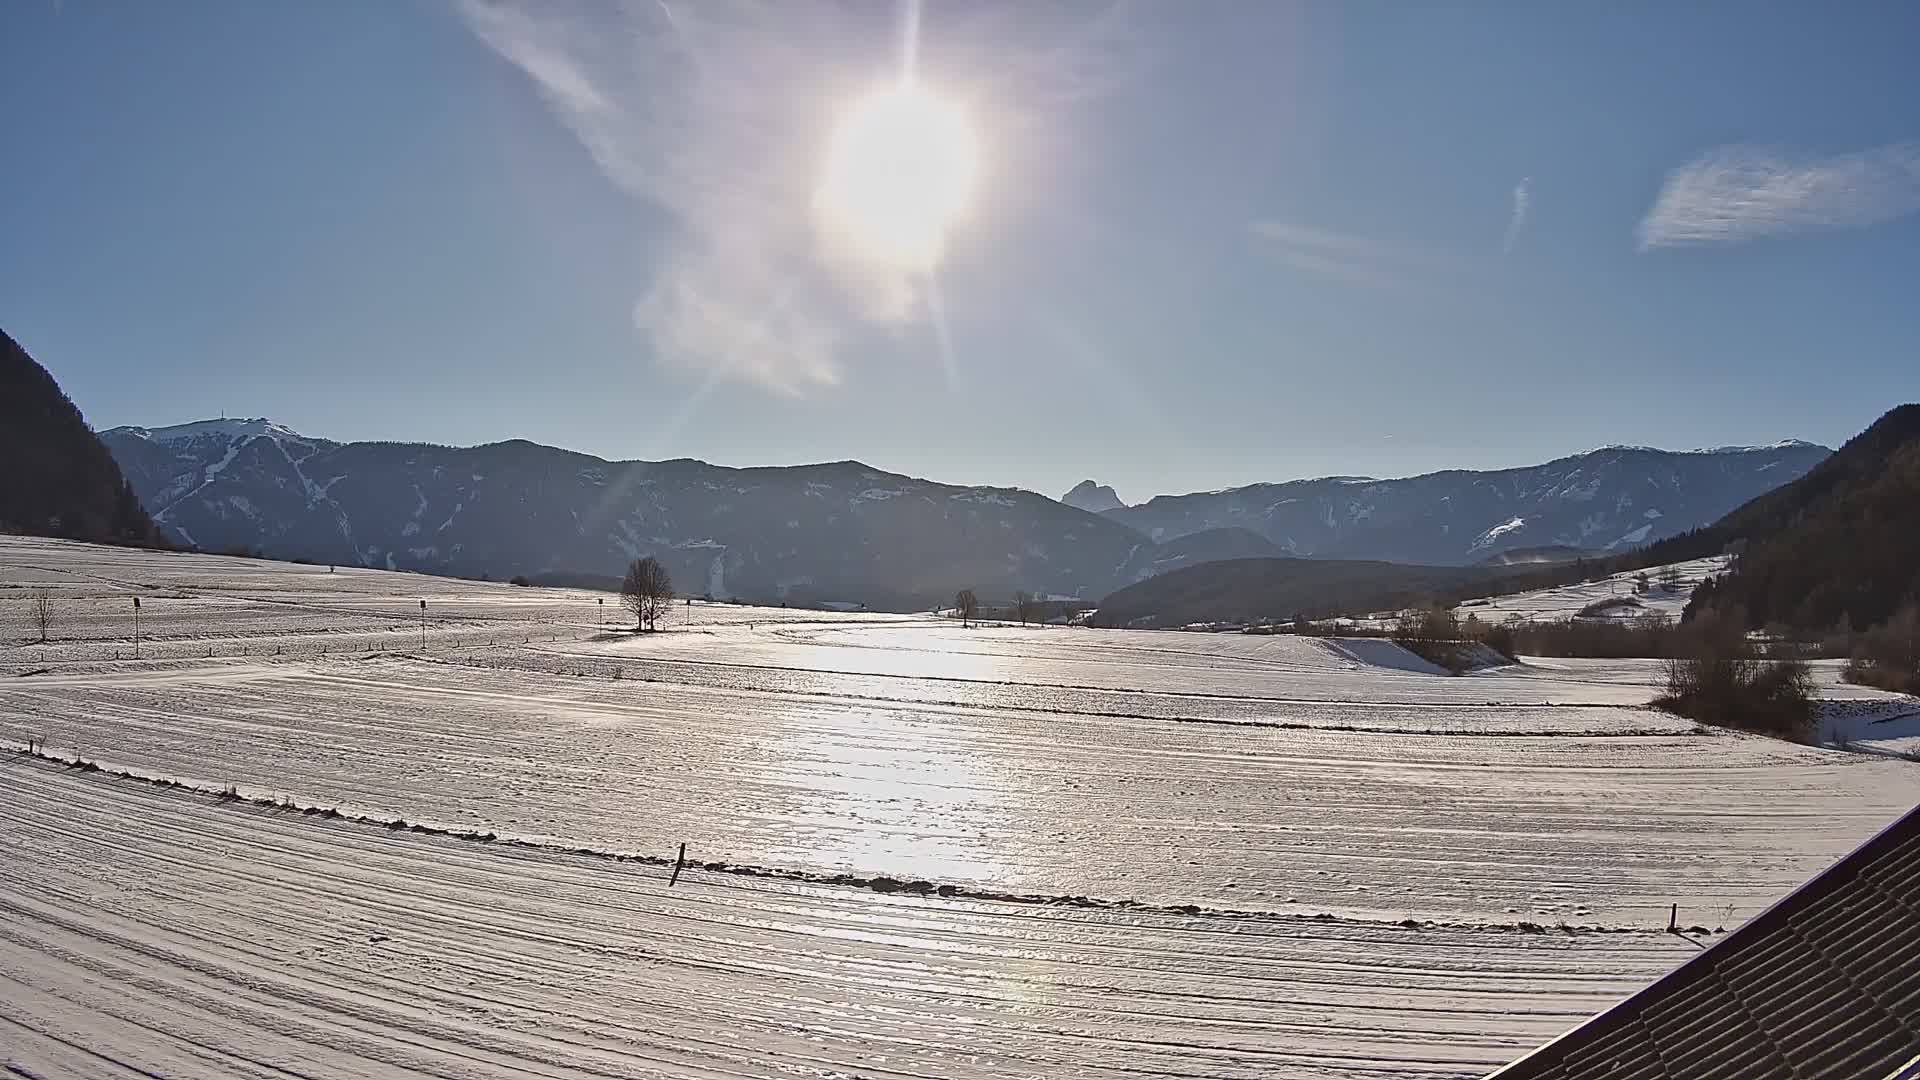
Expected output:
(1210, 244)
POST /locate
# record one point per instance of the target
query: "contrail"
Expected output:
(909, 40)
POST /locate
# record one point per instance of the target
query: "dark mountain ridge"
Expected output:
(1270, 589)
(838, 531)
(1840, 545)
(59, 479)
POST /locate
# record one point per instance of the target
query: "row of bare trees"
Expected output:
(1025, 606)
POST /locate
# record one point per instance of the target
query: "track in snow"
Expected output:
(151, 932)
(1501, 824)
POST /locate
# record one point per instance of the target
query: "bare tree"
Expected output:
(40, 613)
(1670, 579)
(1023, 606)
(966, 605)
(647, 591)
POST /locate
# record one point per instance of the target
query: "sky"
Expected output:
(1187, 246)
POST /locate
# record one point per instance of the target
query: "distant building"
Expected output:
(1825, 983)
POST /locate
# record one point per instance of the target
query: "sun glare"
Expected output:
(900, 171)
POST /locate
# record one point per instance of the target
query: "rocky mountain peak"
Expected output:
(1093, 498)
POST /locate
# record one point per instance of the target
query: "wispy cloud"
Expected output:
(1346, 257)
(717, 112)
(1522, 203)
(1733, 194)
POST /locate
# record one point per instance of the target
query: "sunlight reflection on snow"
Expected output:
(874, 792)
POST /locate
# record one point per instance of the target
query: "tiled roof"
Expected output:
(1826, 983)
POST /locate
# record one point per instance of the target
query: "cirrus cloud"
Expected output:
(716, 113)
(1734, 194)
(1522, 206)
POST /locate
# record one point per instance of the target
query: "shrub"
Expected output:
(1451, 655)
(520, 580)
(1608, 606)
(1864, 672)
(1432, 624)
(1434, 636)
(1500, 638)
(1888, 656)
(1649, 636)
(1726, 685)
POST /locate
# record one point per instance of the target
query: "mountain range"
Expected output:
(1836, 549)
(1607, 500)
(838, 532)
(848, 532)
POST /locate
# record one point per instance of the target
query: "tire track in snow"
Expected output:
(885, 885)
(1546, 829)
(213, 941)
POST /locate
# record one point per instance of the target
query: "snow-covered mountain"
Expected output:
(848, 532)
(1608, 499)
(833, 532)
(1093, 498)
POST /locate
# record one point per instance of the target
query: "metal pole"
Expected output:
(423, 626)
(136, 628)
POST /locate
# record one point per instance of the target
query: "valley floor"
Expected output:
(1164, 854)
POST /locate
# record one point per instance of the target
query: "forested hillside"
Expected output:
(1842, 543)
(1249, 590)
(58, 479)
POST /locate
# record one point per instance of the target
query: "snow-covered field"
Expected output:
(917, 850)
(1883, 724)
(196, 606)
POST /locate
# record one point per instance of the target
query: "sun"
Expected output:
(899, 174)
